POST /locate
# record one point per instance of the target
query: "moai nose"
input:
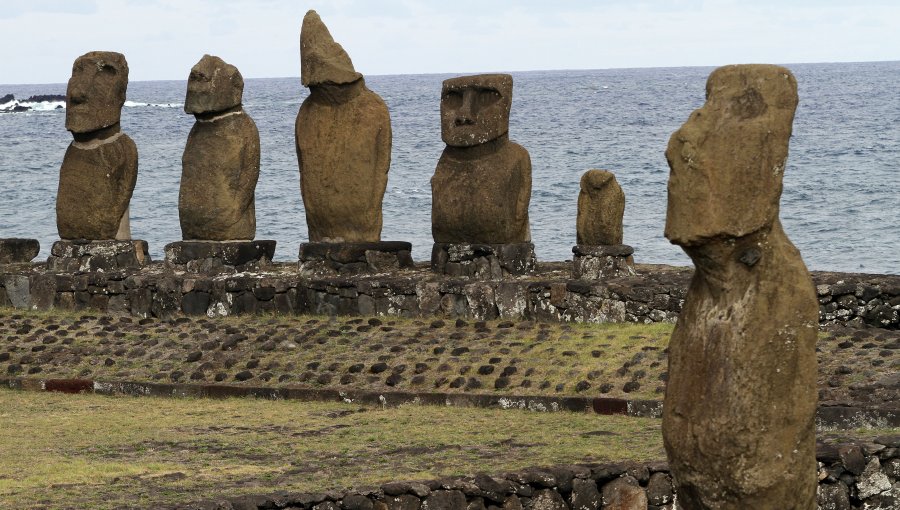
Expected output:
(465, 116)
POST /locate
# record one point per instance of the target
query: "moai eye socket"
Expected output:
(453, 98)
(485, 97)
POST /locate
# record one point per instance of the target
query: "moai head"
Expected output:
(213, 86)
(475, 109)
(96, 91)
(727, 160)
(322, 61)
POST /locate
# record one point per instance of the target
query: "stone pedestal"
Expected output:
(219, 256)
(485, 261)
(354, 258)
(14, 250)
(599, 262)
(84, 255)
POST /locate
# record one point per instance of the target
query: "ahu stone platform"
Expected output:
(653, 294)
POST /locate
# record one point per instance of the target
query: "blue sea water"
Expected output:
(841, 201)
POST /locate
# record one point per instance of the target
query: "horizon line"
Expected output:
(462, 73)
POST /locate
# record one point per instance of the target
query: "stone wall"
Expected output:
(654, 294)
(851, 476)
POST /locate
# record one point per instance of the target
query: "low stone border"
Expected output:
(827, 417)
(851, 476)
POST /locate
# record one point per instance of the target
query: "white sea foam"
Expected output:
(44, 105)
(132, 104)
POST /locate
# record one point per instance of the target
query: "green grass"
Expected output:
(90, 451)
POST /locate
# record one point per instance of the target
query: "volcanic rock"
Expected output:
(343, 137)
(745, 339)
(601, 204)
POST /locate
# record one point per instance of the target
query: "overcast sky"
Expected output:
(162, 39)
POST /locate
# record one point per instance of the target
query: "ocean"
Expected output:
(840, 206)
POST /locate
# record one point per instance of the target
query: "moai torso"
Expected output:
(220, 165)
(344, 152)
(481, 187)
(343, 137)
(738, 420)
(99, 170)
(601, 204)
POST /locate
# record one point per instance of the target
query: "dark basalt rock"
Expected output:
(16, 250)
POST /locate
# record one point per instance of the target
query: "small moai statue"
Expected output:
(343, 135)
(601, 204)
(481, 187)
(740, 404)
(99, 171)
(220, 169)
(600, 253)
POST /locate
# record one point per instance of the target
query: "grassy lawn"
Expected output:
(88, 451)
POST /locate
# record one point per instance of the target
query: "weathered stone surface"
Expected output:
(218, 256)
(445, 500)
(96, 91)
(220, 164)
(585, 495)
(872, 481)
(99, 170)
(624, 494)
(481, 187)
(483, 261)
(833, 496)
(343, 136)
(82, 255)
(593, 262)
(738, 420)
(548, 499)
(15, 250)
(354, 258)
(601, 204)
(322, 60)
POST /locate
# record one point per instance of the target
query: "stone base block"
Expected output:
(84, 255)
(599, 262)
(14, 250)
(354, 258)
(483, 261)
(219, 256)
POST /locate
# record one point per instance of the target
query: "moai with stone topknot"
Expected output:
(220, 169)
(343, 135)
(98, 173)
(740, 404)
(481, 187)
(600, 253)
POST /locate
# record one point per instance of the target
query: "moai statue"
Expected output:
(343, 142)
(220, 165)
(343, 135)
(601, 204)
(481, 187)
(738, 420)
(98, 173)
(220, 168)
(600, 253)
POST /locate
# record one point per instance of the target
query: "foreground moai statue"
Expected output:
(220, 165)
(600, 253)
(343, 142)
(220, 169)
(481, 187)
(601, 204)
(343, 135)
(99, 170)
(98, 173)
(738, 420)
